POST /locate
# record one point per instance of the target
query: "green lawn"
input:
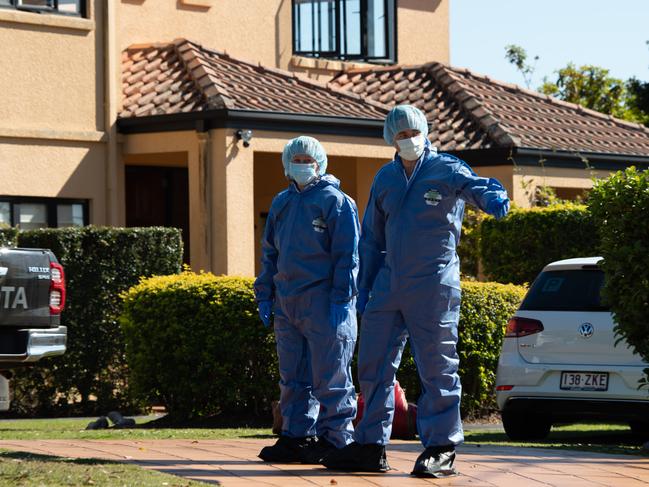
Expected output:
(588, 437)
(18, 469)
(604, 438)
(43, 429)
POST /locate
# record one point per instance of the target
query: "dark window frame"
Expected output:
(53, 9)
(51, 206)
(390, 30)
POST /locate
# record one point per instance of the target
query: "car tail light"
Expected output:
(521, 327)
(57, 288)
(504, 388)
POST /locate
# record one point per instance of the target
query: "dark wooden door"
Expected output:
(158, 196)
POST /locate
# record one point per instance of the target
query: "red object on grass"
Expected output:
(404, 424)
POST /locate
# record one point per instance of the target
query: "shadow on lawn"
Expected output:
(211, 422)
(620, 436)
(37, 457)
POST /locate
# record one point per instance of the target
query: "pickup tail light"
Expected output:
(521, 327)
(57, 288)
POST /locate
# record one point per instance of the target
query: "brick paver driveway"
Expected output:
(235, 463)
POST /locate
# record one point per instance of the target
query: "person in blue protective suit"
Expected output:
(409, 287)
(308, 279)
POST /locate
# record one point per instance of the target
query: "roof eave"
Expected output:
(530, 156)
(252, 119)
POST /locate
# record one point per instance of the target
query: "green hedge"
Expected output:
(486, 307)
(516, 248)
(620, 206)
(469, 248)
(195, 343)
(100, 263)
(8, 236)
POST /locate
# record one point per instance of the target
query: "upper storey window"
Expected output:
(363, 30)
(65, 7)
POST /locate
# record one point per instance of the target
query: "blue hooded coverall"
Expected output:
(310, 260)
(409, 262)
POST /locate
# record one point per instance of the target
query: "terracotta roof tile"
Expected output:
(182, 76)
(468, 110)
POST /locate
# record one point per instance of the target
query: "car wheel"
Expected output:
(640, 428)
(523, 427)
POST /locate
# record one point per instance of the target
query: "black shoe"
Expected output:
(314, 451)
(120, 421)
(435, 462)
(100, 424)
(286, 450)
(358, 458)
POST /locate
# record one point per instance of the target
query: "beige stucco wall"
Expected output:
(60, 169)
(255, 30)
(52, 72)
(261, 30)
(52, 120)
(504, 174)
(423, 31)
(521, 181)
(230, 185)
(527, 178)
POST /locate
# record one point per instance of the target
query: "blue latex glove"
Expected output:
(362, 299)
(265, 309)
(498, 207)
(338, 314)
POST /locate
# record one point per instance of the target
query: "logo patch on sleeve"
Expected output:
(319, 225)
(432, 197)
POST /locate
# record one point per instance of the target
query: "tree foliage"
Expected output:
(638, 100)
(620, 205)
(517, 56)
(589, 86)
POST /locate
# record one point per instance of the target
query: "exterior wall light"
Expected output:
(245, 135)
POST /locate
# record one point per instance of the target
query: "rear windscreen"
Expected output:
(574, 290)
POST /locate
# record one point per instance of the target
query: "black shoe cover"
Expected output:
(358, 458)
(286, 450)
(436, 463)
(314, 451)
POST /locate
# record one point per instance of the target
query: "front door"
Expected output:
(158, 197)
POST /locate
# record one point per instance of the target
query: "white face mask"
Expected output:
(302, 174)
(411, 149)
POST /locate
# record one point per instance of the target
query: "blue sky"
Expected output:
(607, 33)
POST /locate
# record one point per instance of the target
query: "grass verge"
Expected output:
(18, 469)
(603, 438)
(64, 429)
(600, 438)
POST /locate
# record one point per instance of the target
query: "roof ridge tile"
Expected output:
(199, 69)
(486, 120)
(543, 96)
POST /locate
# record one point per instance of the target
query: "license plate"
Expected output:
(584, 381)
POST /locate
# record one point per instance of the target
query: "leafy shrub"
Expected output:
(516, 248)
(469, 247)
(620, 206)
(8, 236)
(194, 343)
(100, 263)
(484, 312)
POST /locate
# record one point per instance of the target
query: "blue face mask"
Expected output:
(302, 174)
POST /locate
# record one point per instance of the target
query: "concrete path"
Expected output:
(235, 463)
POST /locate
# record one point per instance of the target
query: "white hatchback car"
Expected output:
(560, 362)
